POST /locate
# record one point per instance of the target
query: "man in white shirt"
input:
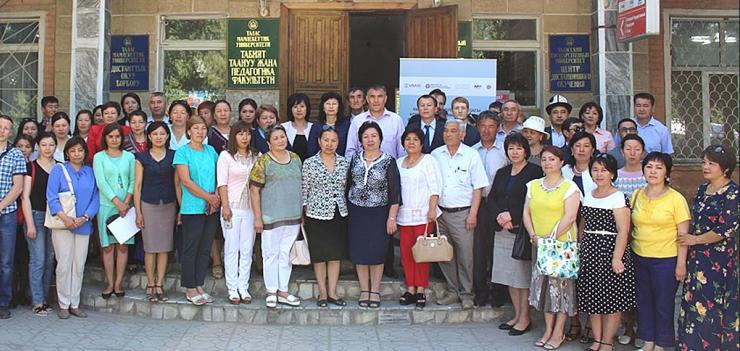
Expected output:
(390, 123)
(463, 179)
(157, 108)
(510, 121)
(493, 158)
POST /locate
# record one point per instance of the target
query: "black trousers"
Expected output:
(485, 291)
(197, 238)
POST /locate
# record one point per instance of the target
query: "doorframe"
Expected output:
(285, 8)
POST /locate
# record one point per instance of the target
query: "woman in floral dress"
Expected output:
(709, 308)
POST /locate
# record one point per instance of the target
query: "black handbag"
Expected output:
(522, 249)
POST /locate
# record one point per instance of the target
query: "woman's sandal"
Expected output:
(336, 301)
(595, 341)
(322, 303)
(586, 338)
(407, 299)
(374, 304)
(421, 300)
(364, 303)
(548, 346)
(161, 295)
(573, 335)
(150, 296)
(539, 343)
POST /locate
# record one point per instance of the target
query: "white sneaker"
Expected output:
(289, 300)
(271, 301)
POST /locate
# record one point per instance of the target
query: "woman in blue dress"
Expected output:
(709, 307)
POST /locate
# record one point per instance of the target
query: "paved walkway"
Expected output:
(110, 332)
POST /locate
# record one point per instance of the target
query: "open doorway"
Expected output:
(376, 43)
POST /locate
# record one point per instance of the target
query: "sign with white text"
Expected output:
(637, 19)
(253, 53)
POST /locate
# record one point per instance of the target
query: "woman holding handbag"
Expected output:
(71, 239)
(418, 214)
(550, 211)
(325, 208)
(275, 190)
(506, 204)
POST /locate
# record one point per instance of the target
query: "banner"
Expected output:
(129, 63)
(253, 53)
(570, 63)
(474, 79)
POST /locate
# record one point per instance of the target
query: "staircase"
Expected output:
(302, 285)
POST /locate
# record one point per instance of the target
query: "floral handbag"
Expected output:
(557, 259)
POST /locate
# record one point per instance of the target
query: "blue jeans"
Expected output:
(41, 259)
(8, 227)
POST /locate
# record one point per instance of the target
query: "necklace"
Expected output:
(554, 188)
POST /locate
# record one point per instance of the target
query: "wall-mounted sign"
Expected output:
(253, 53)
(129, 62)
(570, 63)
(637, 19)
(464, 40)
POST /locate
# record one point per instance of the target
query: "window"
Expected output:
(19, 67)
(514, 42)
(193, 65)
(703, 107)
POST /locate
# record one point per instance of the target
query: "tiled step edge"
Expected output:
(135, 303)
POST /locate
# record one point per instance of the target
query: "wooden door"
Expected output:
(318, 62)
(432, 32)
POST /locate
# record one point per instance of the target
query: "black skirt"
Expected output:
(327, 240)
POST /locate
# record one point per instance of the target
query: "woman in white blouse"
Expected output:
(418, 212)
(297, 127)
(237, 219)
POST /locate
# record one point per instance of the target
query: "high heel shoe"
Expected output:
(106, 295)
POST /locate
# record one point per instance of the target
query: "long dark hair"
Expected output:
(109, 129)
(74, 141)
(77, 117)
(340, 108)
(296, 99)
(154, 126)
(231, 145)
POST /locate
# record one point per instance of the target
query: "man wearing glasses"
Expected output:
(571, 126)
(624, 127)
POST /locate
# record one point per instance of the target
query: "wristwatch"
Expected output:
(86, 217)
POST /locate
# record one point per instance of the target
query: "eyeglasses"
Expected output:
(577, 129)
(327, 127)
(603, 155)
(628, 130)
(719, 149)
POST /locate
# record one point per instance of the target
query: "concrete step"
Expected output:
(390, 312)
(303, 284)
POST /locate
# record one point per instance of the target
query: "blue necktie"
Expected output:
(427, 138)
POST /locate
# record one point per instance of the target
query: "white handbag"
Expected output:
(299, 254)
(68, 200)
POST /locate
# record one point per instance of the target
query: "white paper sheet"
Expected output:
(123, 228)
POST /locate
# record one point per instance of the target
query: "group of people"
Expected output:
(348, 183)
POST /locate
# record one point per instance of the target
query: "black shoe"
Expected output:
(505, 326)
(407, 299)
(119, 294)
(516, 332)
(337, 302)
(4, 312)
(106, 295)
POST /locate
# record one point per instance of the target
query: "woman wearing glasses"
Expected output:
(275, 190)
(324, 184)
(330, 114)
(709, 305)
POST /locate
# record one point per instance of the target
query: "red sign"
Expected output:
(637, 18)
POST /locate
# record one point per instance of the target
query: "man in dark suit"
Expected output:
(432, 127)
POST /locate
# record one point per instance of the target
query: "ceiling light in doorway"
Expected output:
(264, 8)
(436, 3)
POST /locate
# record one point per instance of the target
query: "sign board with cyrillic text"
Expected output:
(129, 63)
(637, 19)
(570, 63)
(253, 53)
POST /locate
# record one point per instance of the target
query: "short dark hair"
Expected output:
(415, 131)
(111, 104)
(367, 125)
(723, 156)
(646, 96)
(221, 101)
(623, 120)
(376, 87)
(519, 140)
(45, 135)
(273, 129)
(660, 157)
(496, 104)
(74, 141)
(326, 97)
(629, 137)
(426, 96)
(589, 105)
(154, 126)
(23, 124)
(50, 99)
(60, 115)
(238, 127)
(296, 99)
(110, 128)
(489, 115)
(77, 118)
(571, 121)
(182, 103)
(438, 91)
(139, 113)
(207, 105)
(578, 136)
(354, 89)
(159, 94)
(327, 129)
(606, 160)
(556, 151)
(268, 108)
(27, 138)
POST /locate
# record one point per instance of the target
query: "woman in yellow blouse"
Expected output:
(659, 214)
(552, 205)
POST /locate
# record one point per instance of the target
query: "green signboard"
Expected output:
(464, 40)
(253, 53)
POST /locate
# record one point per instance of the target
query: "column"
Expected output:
(90, 52)
(612, 63)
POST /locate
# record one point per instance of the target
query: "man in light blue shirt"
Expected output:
(656, 135)
(157, 108)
